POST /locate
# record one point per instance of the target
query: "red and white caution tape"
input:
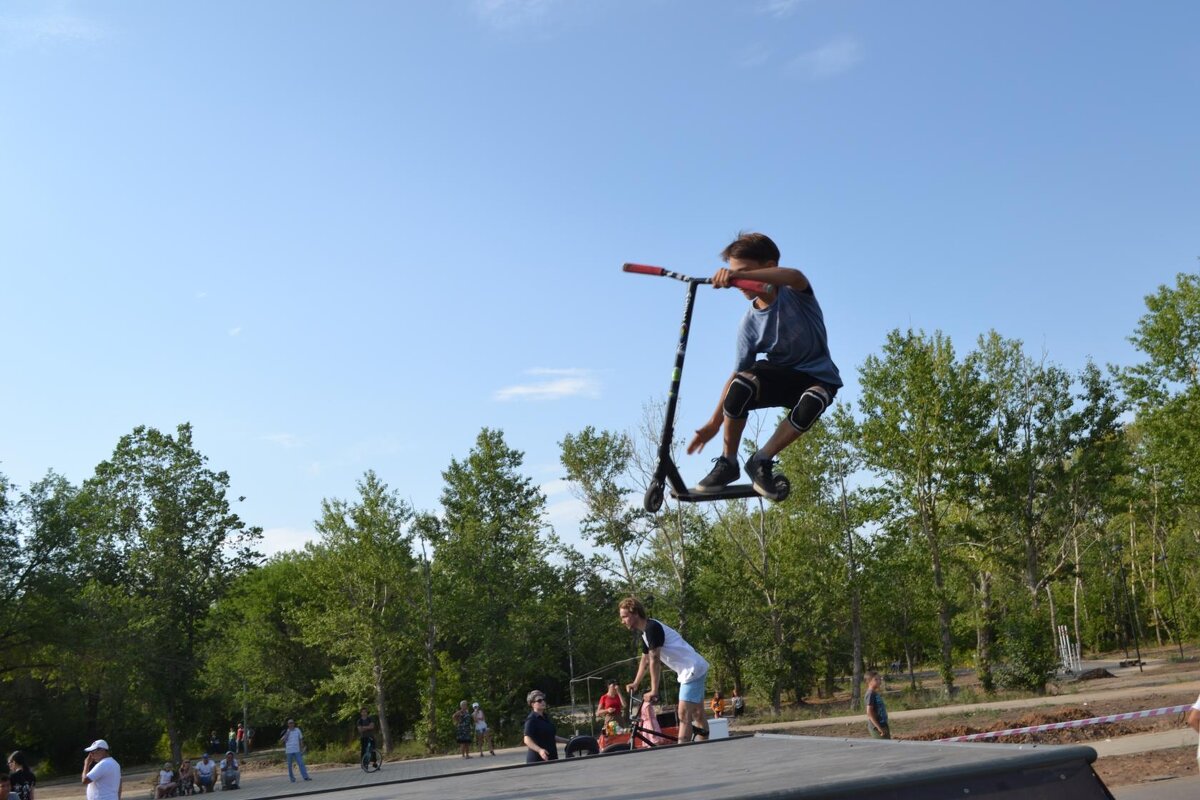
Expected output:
(1076, 723)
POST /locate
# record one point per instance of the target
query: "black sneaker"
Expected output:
(724, 473)
(758, 470)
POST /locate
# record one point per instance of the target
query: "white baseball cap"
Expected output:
(99, 744)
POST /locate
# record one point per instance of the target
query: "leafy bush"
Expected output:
(1027, 653)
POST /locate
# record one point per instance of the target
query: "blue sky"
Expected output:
(346, 236)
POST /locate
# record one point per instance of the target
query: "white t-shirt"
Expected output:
(205, 770)
(105, 777)
(674, 651)
(291, 740)
(1195, 707)
(165, 776)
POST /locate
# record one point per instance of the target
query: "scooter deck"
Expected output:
(733, 491)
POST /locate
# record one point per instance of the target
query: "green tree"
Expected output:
(920, 433)
(597, 465)
(365, 609)
(1166, 386)
(262, 646)
(161, 547)
(491, 576)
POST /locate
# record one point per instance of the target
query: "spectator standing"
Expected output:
(718, 705)
(241, 740)
(206, 774)
(877, 719)
(739, 703)
(365, 725)
(1193, 720)
(293, 748)
(611, 707)
(482, 731)
(231, 741)
(464, 729)
(20, 777)
(231, 775)
(214, 743)
(541, 736)
(101, 773)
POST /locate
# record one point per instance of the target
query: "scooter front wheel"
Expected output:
(653, 500)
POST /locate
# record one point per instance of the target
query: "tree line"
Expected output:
(960, 511)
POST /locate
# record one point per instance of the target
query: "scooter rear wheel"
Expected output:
(783, 487)
(653, 500)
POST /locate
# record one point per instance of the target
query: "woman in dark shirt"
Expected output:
(540, 734)
(21, 777)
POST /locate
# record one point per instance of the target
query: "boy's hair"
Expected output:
(872, 675)
(751, 247)
(633, 606)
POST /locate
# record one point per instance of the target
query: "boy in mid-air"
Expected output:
(786, 324)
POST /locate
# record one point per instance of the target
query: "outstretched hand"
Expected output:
(703, 434)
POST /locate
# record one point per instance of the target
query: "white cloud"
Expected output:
(556, 385)
(566, 515)
(512, 13)
(780, 8)
(287, 441)
(277, 540)
(236, 331)
(555, 487)
(752, 56)
(51, 27)
(828, 60)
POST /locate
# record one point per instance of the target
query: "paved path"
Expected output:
(1187, 691)
(1145, 742)
(260, 784)
(1176, 789)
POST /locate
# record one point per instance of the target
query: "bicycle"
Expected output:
(642, 730)
(371, 762)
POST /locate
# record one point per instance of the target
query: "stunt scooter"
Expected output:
(666, 474)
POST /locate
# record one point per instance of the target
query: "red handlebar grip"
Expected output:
(644, 269)
(751, 286)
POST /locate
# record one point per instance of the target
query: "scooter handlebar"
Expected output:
(741, 283)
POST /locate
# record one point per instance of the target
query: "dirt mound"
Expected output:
(1061, 736)
(1095, 674)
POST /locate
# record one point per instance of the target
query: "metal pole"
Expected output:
(245, 725)
(571, 666)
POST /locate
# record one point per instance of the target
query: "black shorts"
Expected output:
(782, 386)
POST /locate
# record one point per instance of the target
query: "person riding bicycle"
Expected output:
(661, 644)
(787, 325)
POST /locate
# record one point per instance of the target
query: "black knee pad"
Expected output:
(741, 394)
(812, 405)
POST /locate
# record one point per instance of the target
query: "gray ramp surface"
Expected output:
(776, 766)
